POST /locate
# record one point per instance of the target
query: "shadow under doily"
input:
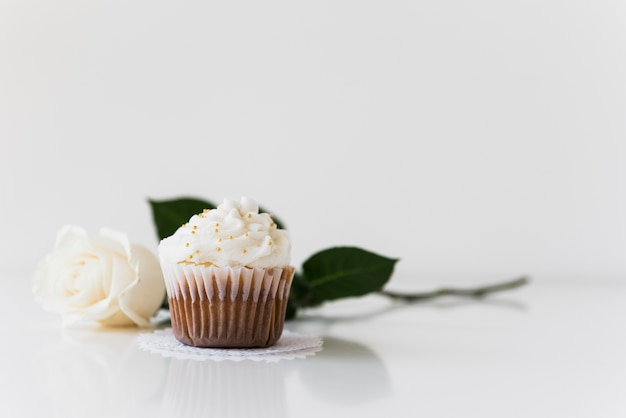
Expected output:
(291, 345)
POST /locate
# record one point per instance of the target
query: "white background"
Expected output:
(471, 139)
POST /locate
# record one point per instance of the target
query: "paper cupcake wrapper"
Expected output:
(233, 307)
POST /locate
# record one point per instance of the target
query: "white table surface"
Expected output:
(546, 350)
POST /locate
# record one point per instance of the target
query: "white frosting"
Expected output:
(234, 234)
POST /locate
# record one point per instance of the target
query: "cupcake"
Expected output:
(227, 274)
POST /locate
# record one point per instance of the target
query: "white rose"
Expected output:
(104, 279)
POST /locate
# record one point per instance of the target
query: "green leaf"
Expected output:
(300, 295)
(291, 311)
(169, 215)
(342, 272)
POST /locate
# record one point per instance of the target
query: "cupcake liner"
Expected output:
(233, 307)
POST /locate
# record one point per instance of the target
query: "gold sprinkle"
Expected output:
(195, 227)
(217, 224)
(202, 216)
(197, 251)
(219, 240)
(272, 224)
(230, 237)
(191, 256)
(206, 210)
(244, 251)
(217, 230)
(193, 232)
(270, 214)
(249, 215)
(186, 244)
(246, 234)
(269, 243)
(218, 249)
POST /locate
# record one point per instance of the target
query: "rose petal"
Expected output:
(122, 276)
(119, 238)
(68, 234)
(103, 279)
(141, 300)
(99, 311)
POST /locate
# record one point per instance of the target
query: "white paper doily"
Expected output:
(290, 346)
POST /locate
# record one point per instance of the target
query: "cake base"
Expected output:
(228, 307)
(227, 324)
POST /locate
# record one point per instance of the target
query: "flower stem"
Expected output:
(477, 292)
